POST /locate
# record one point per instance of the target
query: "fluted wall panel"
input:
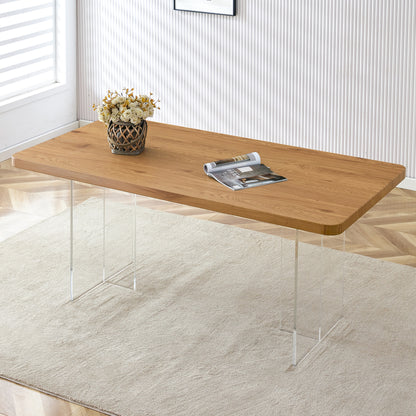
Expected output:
(329, 75)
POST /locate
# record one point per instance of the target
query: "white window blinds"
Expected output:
(27, 46)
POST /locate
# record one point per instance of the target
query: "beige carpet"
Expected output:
(202, 336)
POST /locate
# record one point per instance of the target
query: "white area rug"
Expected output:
(202, 336)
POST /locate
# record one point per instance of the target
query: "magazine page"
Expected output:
(233, 162)
(242, 172)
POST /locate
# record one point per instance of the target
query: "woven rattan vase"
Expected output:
(127, 138)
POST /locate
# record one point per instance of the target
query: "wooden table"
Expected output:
(325, 192)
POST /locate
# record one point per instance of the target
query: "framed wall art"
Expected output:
(227, 7)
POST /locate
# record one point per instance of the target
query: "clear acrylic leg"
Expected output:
(318, 289)
(102, 238)
(311, 287)
(119, 239)
(85, 238)
(71, 241)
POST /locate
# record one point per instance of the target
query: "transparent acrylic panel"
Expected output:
(318, 298)
(332, 283)
(102, 238)
(311, 287)
(86, 236)
(119, 240)
(286, 278)
(310, 269)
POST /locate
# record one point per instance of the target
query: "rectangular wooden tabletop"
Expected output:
(325, 193)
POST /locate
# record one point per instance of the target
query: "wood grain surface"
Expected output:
(325, 193)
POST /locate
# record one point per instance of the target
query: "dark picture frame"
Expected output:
(223, 7)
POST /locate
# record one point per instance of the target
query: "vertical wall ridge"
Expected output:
(335, 76)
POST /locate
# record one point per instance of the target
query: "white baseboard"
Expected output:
(9, 151)
(408, 183)
(84, 122)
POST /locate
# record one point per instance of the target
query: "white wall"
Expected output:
(331, 75)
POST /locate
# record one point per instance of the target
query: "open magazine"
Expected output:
(240, 172)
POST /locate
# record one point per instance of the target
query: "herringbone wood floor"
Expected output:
(387, 232)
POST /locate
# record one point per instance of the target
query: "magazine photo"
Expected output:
(240, 172)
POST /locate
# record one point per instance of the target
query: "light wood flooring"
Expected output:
(386, 232)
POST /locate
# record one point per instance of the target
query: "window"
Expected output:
(27, 46)
(37, 72)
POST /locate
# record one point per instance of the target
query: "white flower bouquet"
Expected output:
(126, 107)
